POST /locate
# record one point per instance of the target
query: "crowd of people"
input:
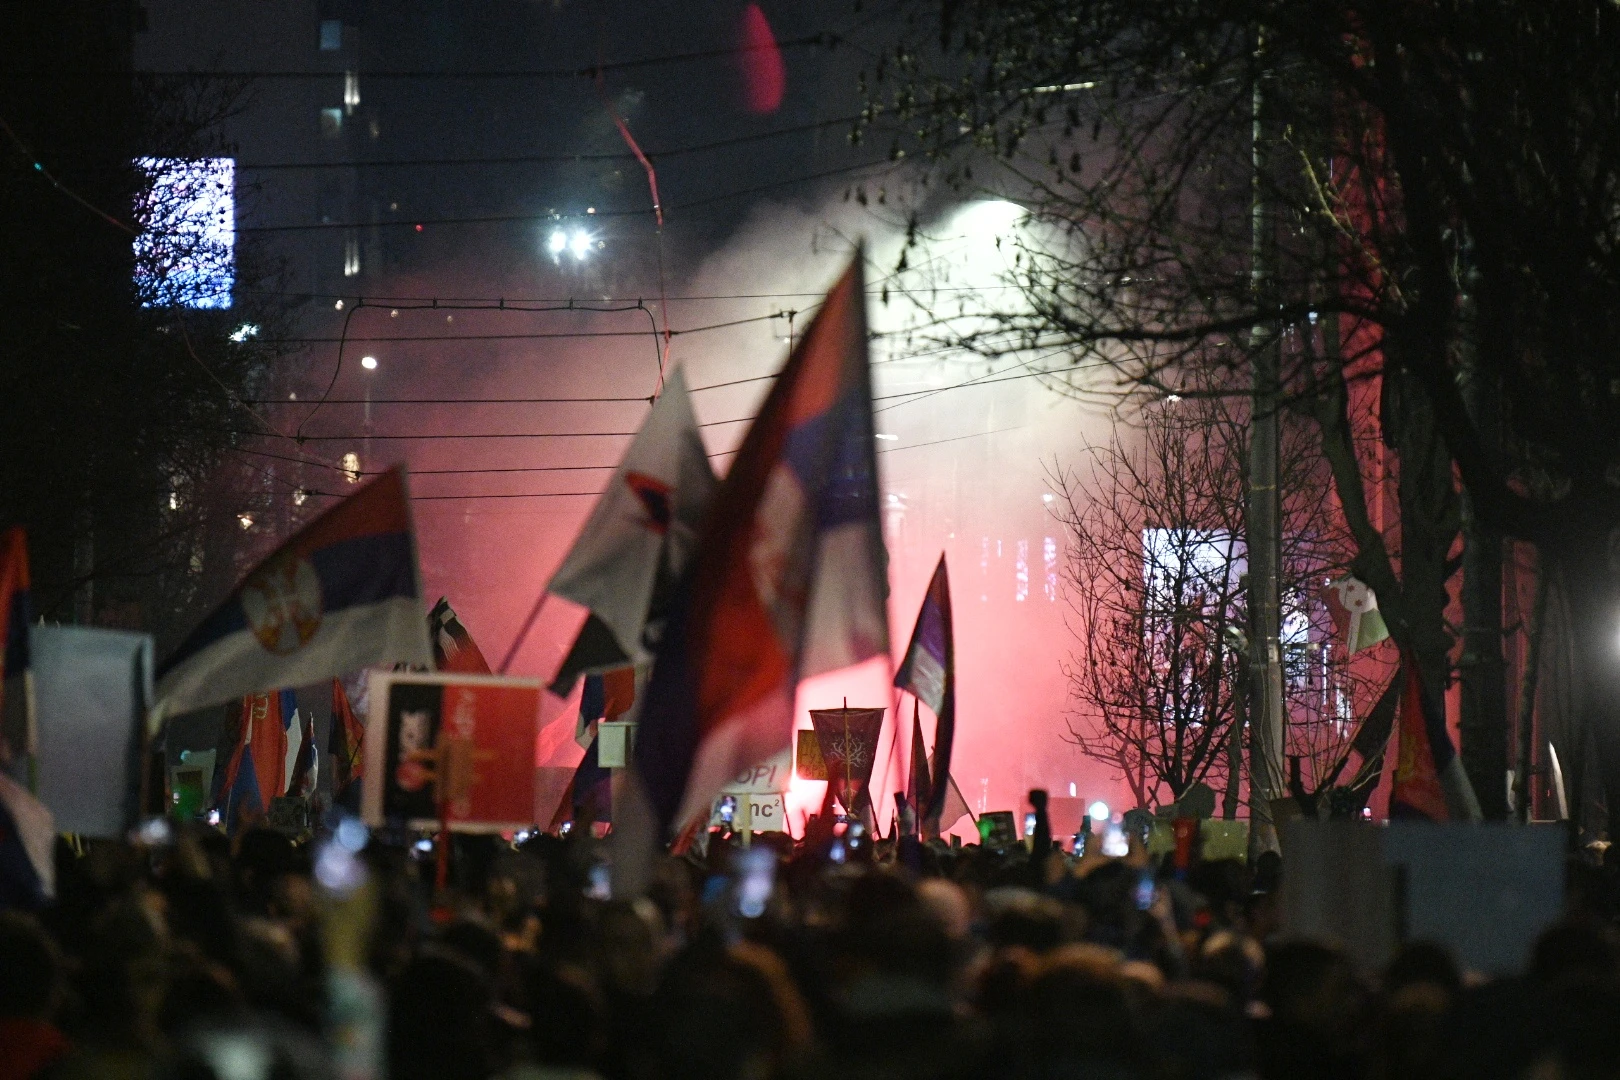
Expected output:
(269, 957)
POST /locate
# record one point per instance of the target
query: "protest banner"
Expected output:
(767, 812)
(92, 689)
(810, 765)
(772, 775)
(452, 748)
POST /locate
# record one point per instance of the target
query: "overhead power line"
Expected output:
(541, 159)
(590, 71)
(535, 335)
(494, 219)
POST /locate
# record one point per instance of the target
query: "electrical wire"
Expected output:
(536, 335)
(495, 219)
(541, 159)
(827, 39)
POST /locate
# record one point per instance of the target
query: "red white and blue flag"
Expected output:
(928, 672)
(788, 579)
(256, 771)
(342, 594)
(18, 734)
(453, 647)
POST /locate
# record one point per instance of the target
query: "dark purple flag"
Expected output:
(929, 672)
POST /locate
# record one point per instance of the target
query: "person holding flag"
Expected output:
(789, 576)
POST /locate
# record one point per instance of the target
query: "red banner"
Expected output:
(458, 748)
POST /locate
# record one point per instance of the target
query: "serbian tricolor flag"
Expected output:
(1429, 781)
(340, 595)
(256, 771)
(453, 648)
(928, 672)
(788, 579)
(18, 734)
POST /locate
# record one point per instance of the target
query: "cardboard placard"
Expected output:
(1225, 839)
(615, 743)
(1485, 891)
(92, 689)
(463, 744)
(289, 814)
(771, 775)
(810, 763)
(767, 812)
(998, 828)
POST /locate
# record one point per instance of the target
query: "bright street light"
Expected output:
(580, 245)
(369, 363)
(557, 242)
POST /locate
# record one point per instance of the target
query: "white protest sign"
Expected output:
(769, 776)
(768, 812)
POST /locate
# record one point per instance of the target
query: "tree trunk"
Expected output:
(1482, 669)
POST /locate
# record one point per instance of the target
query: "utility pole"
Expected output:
(1266, 777)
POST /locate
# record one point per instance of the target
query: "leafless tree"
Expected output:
(1155, 584)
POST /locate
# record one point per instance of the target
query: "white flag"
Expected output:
(643, 528)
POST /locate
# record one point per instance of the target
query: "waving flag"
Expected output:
(919, 794)
(1429, 781)
(344, 741)
(256, 771)
(1354, 610)
(789, 577)
(453, 648)
(27, 842)
(637, 541)
(341, 594)
(18, 733)
(929, 673)
(303, 757)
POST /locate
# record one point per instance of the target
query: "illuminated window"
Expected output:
(185, 252)
(1021, 573)
(331, 123)
(1049, 553)
(351, 256)
(351, 92)
(331, 35)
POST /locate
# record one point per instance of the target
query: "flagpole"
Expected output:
(523, 632)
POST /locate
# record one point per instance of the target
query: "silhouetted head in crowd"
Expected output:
(1573, 952)
(30, 969)
(1422, 962)
(440, 1019)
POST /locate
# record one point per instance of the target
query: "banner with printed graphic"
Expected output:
(456, 746)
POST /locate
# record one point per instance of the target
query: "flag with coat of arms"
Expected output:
(342, 594)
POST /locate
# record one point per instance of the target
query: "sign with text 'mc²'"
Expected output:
(460, 746)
